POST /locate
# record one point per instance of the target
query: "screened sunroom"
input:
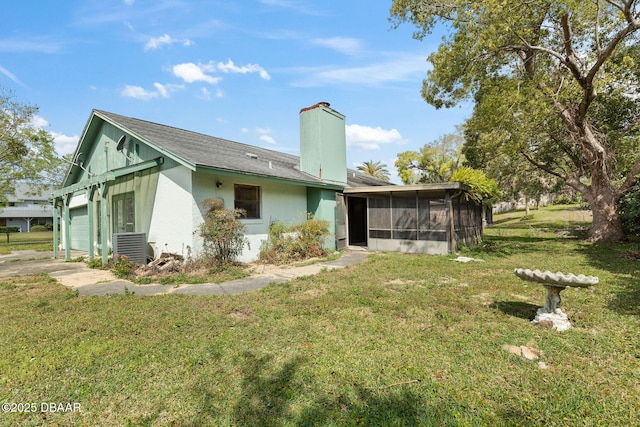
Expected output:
(427, 218)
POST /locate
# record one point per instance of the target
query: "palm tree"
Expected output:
(376, 170)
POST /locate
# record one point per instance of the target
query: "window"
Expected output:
(247, 197)
(124, 213)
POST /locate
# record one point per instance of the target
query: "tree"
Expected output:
(515, 176)
(557, 82)
(481, 189)
(27, 153)
(435, 162)
(377, 170)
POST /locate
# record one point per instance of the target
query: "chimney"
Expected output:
(323, 146)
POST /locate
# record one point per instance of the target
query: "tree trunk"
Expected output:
(526, 205)
(606, 225)
(601, 195)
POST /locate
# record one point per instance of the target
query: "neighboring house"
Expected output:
(25, 208)
(142, 184)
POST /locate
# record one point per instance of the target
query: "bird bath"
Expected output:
(554, 284)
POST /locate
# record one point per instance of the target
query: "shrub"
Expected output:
(123, 268)
(38, 228)
(629, 212)
(481, 188)
(222, 233)
(95, 263)
(9, 229)
(296, 242)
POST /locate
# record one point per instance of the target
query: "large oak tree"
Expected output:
(27, 152)
(556, 82)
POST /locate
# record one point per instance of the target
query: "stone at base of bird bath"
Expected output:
(558, 319)
(554, 283)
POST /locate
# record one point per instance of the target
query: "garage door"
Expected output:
(79, 228)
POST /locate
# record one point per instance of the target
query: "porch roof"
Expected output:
(425, 188)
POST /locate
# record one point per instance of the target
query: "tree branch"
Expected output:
(629, 182)
(572, 181)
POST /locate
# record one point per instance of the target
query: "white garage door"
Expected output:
(79, 228)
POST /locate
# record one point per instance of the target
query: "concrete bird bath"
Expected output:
(554, 283)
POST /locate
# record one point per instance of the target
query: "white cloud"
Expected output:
(38, 122)
(138, 92)
(205, 93)
(10, 75)
(267, 138)
(230, 67)
(65, 144)
(265, 135)
(368, 138)
(190, 72)
(396, 69)
(344, 45)
(165, 39)
(21, 44)
(129, 2)
(162, 90)
(295, 5)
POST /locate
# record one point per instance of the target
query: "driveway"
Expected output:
(87, 281)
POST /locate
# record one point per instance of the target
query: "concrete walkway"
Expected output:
(89, 281)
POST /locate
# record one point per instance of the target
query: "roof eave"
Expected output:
(165, 153)
(445, 186)
(236, 173)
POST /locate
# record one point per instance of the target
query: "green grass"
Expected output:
(401, 340)
(38, 240)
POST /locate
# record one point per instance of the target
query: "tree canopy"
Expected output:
(27, 153)
(375, 169)
(556, 83)
(435, 162)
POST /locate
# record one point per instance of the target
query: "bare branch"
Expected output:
(570, 59)
(571, 180)
(630, 181)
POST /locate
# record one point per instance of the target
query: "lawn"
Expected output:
(37, 240)
(400, 340)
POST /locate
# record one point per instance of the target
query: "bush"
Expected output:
(222, 233)
(123, 268)
(629, 212)
(38, 228)
(296, 242)
(95, 263)
(9, 229)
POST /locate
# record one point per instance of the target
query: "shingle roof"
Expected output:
(209, 151)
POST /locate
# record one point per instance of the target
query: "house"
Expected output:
(137, 184)
(25, 208)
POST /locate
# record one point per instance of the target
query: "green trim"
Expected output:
(107, 176)
(140, 138)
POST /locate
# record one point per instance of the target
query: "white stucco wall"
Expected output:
(171, 226)
(279, 202)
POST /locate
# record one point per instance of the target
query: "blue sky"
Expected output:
(237, 70)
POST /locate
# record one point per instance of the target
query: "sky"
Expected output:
(239, 70)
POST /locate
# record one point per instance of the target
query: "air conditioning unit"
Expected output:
(133, 245)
